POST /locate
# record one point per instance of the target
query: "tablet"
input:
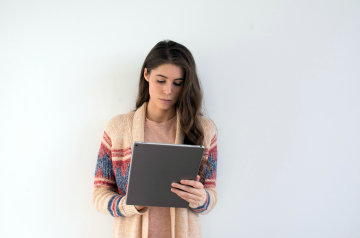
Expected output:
(155, 166)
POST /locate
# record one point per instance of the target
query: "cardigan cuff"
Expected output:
(201, 203)
(130, 210)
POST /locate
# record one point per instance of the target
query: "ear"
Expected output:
(146, 75)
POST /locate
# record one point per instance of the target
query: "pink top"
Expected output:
(159, 217)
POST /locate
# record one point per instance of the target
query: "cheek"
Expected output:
(177, 90)
(154, 89)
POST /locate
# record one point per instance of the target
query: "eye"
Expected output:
(177, 84)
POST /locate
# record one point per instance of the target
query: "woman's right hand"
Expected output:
(139, 207)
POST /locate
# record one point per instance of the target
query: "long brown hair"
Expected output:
(191, 95)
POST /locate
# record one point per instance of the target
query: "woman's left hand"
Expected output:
(193, 194)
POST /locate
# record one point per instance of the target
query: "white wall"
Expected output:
(281, 81)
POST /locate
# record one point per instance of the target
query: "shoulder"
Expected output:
(119, 123)
(210, 129)
(207, 124)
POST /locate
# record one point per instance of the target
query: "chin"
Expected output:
(165, 106)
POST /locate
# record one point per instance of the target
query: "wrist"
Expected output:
(202, 201)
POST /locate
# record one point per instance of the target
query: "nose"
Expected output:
(168, 88)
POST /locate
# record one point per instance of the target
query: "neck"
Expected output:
(156, 114)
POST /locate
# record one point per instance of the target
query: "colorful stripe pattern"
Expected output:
(122, 169)
(105, 177)
(210, 174)
(104, 173)
(202, 208)
(121, 152)
(113, 206)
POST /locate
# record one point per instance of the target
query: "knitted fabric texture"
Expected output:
(112, 171)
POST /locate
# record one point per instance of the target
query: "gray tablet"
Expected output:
(154, 166)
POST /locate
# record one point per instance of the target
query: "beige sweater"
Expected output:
(111, 175)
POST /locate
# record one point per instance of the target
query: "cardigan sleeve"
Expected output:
(210, 196)
(105, 196)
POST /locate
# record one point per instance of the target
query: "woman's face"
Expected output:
(165, 83)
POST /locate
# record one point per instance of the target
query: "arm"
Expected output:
(105, 196)
(201, 197)
(209, 198)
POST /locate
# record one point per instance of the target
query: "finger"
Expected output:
(189, 200)
(139, 207)
(188, 189)
(198, 178)
(187, 195)
(193, 183)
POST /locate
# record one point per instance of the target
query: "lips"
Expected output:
(168, 100)
(165, 101)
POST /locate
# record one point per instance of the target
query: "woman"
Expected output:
(167, 111)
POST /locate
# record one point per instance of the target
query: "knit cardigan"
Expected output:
(112, 171)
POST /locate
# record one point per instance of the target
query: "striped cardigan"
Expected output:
(112, 171)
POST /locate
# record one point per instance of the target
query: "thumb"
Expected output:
(198, 178)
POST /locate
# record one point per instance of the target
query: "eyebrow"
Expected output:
(167, 77)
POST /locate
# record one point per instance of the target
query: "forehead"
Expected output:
(169, 70)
